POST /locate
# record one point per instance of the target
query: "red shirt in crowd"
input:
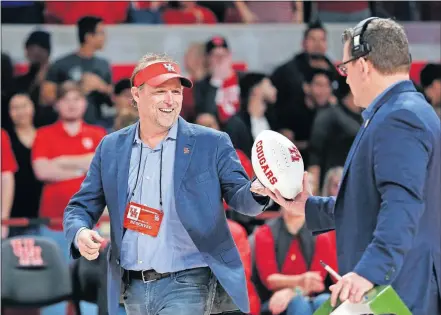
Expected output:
(9, 163)
(342, 6)
(53, 141)
(193, 15)
(69, 12)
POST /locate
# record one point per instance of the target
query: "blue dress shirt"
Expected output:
(172, 249)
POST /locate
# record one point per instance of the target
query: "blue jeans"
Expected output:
(301, 305)
(182, 293)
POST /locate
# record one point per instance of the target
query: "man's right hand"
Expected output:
(89, 243)
(298, 204)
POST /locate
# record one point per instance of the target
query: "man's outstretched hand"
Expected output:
(295, 206)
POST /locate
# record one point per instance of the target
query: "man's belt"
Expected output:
(145, 275)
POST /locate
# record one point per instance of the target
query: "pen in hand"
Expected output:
(331, 271)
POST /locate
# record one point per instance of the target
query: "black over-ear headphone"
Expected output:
(359, 47)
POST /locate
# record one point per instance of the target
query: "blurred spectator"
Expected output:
(70, 12)
(61, 155)
(287, 257)
(405, 11)
(187, 12)
(62, 152)
(236, 129)
(22, 12)
(8, 89)
(9, 167)
(196, 67)
(125, 117)
(430, 78)
(219, 8)
(122, 96)
(341, 11)
(332, 181)
(27, 187)
(256, 91)
(266, 12)
(146, 12)
(430, 10)
(243, 13)
(300, 116)
(207, 120)
(288, 78)
(333, 132)
(257, 96)
(37, 51)
(121, 99)
(195, 61)
(218, 93)
(91, 72)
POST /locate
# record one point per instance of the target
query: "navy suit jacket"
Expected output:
(204, 174)
(387, 215)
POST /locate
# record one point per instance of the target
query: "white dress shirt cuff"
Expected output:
(76, 236)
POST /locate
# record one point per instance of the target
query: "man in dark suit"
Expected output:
(387, 214)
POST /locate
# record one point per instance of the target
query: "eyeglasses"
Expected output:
(343, 70)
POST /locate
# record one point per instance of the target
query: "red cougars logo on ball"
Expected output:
(262, 161)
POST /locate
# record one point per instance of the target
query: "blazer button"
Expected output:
(117, 261)
(387, 278)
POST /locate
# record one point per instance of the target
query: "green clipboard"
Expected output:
(378, 301)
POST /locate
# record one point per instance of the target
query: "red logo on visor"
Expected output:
(169, 67)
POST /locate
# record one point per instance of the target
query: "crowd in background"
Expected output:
(211, 12)
(55, 115)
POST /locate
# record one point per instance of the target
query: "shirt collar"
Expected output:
(368, 111)
(60, 125)
(172, 132)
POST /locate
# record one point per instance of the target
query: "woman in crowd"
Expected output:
(27, 187)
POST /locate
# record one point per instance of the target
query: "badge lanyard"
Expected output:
(160, 174)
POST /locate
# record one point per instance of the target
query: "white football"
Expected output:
(277, 163)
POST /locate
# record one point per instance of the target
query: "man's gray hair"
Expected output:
(389, 46)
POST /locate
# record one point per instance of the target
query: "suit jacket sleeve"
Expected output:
(87, 205)
(402, 149)
(319, 214)
(234, 181)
